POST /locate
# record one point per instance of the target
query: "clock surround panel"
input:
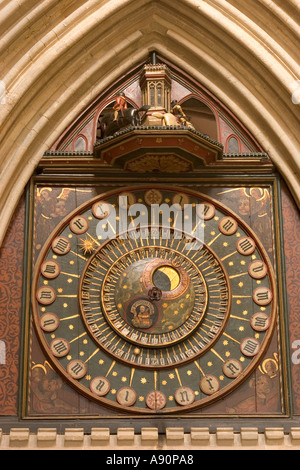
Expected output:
(208, 363)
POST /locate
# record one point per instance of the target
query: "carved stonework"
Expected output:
(159, 163)
(156, 87)
(163, 149)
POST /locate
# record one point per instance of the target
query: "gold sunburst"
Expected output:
(87, 246)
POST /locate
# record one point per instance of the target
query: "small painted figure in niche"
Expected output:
(120, 106)
(46, 391)
(265, 399)
(253, 205)
(142, 312)
(265, 387)
(52, 206)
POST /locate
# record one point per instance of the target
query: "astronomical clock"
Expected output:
(155, 275)
(153, 301)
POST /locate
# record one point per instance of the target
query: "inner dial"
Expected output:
(154, 298)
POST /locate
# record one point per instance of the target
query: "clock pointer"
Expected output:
(154, 294)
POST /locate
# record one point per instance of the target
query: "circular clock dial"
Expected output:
(147, 317)
(155, 299)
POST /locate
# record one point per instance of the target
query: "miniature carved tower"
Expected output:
(156, 89)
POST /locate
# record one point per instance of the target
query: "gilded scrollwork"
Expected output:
(162, 163)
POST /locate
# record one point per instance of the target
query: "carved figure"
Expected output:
(120, 106)
(175, 117)
(121, 117)
(167, 119)
(177, 110)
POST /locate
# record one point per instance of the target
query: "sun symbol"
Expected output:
(87, 246)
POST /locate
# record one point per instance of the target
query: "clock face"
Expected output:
(154, 300)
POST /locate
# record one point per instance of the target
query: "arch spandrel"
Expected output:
(208, 115)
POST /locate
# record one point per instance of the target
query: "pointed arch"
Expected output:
(58, 57)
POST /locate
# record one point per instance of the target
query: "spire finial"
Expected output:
(154, 58)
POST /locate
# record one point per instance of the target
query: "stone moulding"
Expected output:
(150, 438)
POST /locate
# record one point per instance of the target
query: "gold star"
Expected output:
(87, 246)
